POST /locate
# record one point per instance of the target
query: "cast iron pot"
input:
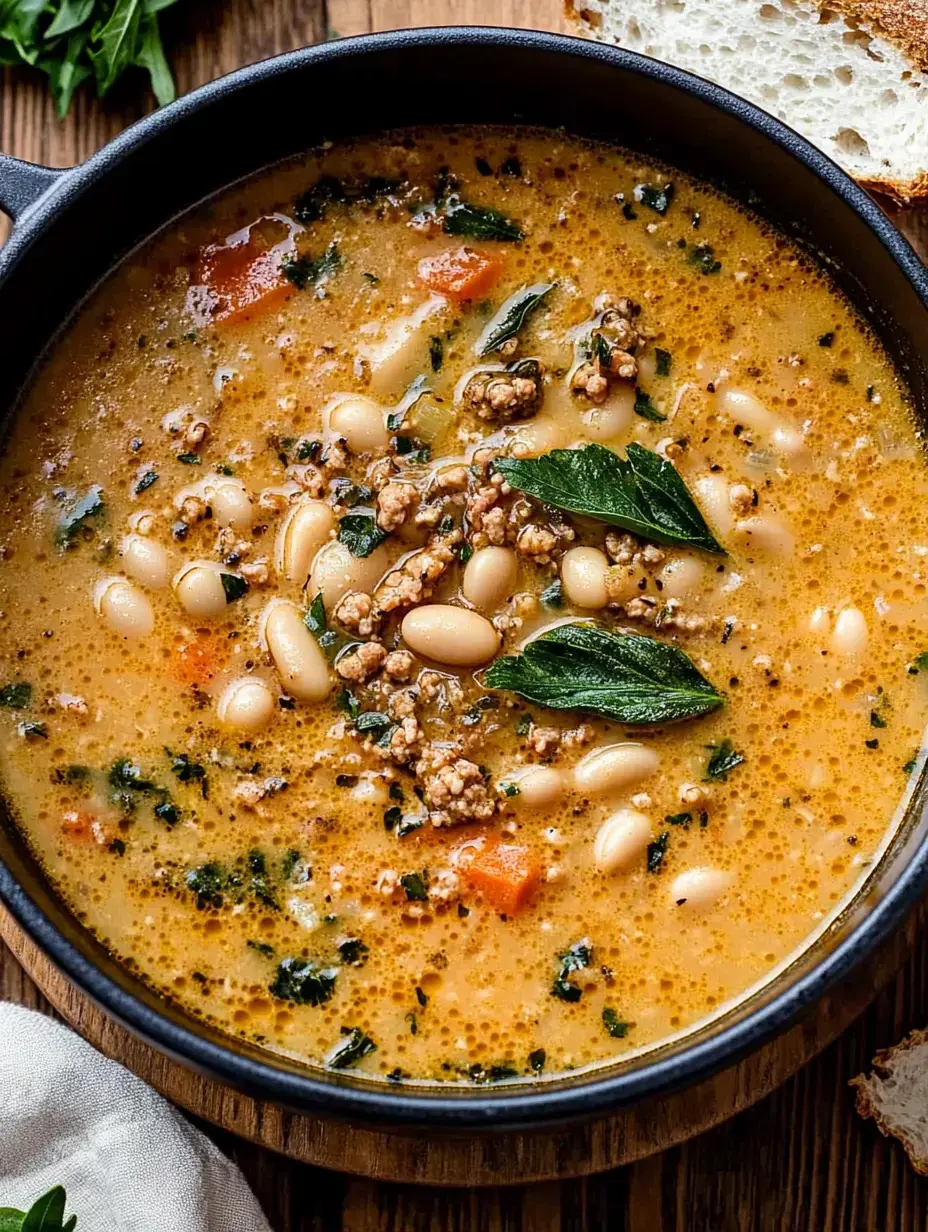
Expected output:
(73, 226)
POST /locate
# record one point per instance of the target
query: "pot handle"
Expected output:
(21, 184)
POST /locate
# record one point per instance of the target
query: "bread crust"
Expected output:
(867, 1087)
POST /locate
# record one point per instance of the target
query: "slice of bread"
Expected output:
(850, 75)
(896, 1095)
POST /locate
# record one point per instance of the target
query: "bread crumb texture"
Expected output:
(852, 77)
(895, 1095)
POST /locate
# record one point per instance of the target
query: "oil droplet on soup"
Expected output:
(463, 595)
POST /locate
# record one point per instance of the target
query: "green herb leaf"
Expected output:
(69, 70)
(233, 586)
(436, 353)
(656, 852)
(353, 951)
(655, 196)
(626, 677)
(16, 696)
(537, 1060)
(360, 533)
(614, 1024)
(189, 459)
(303, 982)
(679, 819)
(32, 730)
(703, 258)
(355, 1047)
(125, 775)
(47, 1214)
(187, 771)
(315, 618)
(146, 482)
(416, 887)
(91, 505)
(640, 493)
(207, 881)
(312, 271)
(511, 317)
(578, 956)
(724, 759)
(663, 361)
(553, 595)
(646, 408)
(115, 40)
(478, 222)
(508, 789)
(260, 884)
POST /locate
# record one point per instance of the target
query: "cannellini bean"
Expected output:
(624, 582)
(766, 533)
(200, 590)
(699, 888)
(335, 571)
(301, 665)
(712, 491)
(302, 533)
(820, 621)
(124, 607)
(396, 360)
(231, 505)
(850, 633)
(451, 635)
(621, 839)
(583, 576)
(490, 577)
(614, 767)
(145, 560)
(681, 575)
(789, 440)
(536, 436)
(538, 785)
(246, 704)
(615, 416)
(745, 408)
(361, 423)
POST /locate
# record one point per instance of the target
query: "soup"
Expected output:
(463, 602)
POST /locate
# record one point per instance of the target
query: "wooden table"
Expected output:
(800, 1160)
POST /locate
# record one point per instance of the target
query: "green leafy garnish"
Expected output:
(416, 887)
(627, 677)
(646, 408)
(353, 951)
(260, 884)
(187, 771)
(360, 533)
(45, 1215)
(207, 881)
(16, 696)
(919, 663)
(641, 493)
(125, 775)
(703, 258)
(354, 1048)
(679, 819)
(189, 459)
(508, 789)
(537, 1060)
(724, 759)
(553, 595)
(655, 196)
(312, 271)
(75, 523)
(511, 317)
(146, 482)
(478, 222)
(233, 586)
(262, 948)
(578, 956)
(614, 1024)
(656, 851)
(32, 730)
(663, 360)
(315, 618)
(436, 353)
(303, 982)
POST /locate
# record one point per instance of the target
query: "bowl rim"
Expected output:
(594, 1091)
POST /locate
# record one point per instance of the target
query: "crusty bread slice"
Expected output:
(896, 1095)
(850, 75)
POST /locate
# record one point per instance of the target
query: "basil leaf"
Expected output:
(626, 677)
(360, 533)
(511, 317)
(642, 493)
(315, 619)
(233, 586)
(303, 271)
(478, 222)
(646, 408)
(355, 1047)
(150, 56)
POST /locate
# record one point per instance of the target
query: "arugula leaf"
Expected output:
(511, 317)
(70, 15)
(641, 493)
(68, 72)
(646, 408)
(724, 759)
(149, 55)
(116, 37)
(360, 533)
(303, 982)
(627, 677)
(355, 1047)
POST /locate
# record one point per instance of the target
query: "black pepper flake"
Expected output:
(872, 744)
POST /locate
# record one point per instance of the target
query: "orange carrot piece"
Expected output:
(241, 278)
(77, 826)
(460, 274)
(505, 874)
(194, 662)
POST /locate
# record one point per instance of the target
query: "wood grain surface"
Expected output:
(798, 1161)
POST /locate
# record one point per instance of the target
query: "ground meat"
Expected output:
(494, 515)
(741, 498)
(451, 479)
(443, 691)
(356, 613)
(454, 788)
(393, 504)
(444, 887)
(380, 473)
(664, 616)
(193, 509)
(415, 580)
(406, 742)
(256, 572)
(503, 396)
(625, 549)
(399, 665)
(402, 704)
(361, 664)
(307, 478)
(540, 541)
(336, 457)
(429, 516)
(612, 346)
(545, 741)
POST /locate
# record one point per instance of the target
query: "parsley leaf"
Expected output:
(354, 1048)
(646, 408)
(303, 982)
(478, 222)
(578, 956)
(312, 271)
(724, 759)
(75, 523)
(511, 317)
(642, 493)
(627, 677)
(614, 1024)
(360, 533)
(16, 696)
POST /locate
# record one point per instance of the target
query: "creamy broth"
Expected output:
(268, 530)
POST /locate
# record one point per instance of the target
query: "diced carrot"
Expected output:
(194, 662)
(242, 276)
(77, 826)
(505, 874)
(461, 274)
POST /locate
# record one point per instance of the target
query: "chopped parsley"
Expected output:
(416, 887)
(16, 696)
(656, 851)
(303, 982)
(724, 759)
(574, 959)
(614, 1024)
(354, 1048)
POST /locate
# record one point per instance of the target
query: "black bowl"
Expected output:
(73, 226)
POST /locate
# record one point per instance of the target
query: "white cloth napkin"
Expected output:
(128, 1160)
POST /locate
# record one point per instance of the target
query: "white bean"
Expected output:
(820, 621)
(490, 577)
(536, 436)
(538, 785)
(713, 498)
(745, 408)
(681, 575)
(246, 704)
(231, 504)
(396, 360)
(850, 632)
(335, 571)
(699, 888)
(624, 582)
(615, 416)
(302, 533)
(583, 576)
(614, 767)
(451, 635)
(621, 839)
(200, 590)
(361, 423)
(124, 607)
(145, 560)
(301, 665)
(765, 533)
